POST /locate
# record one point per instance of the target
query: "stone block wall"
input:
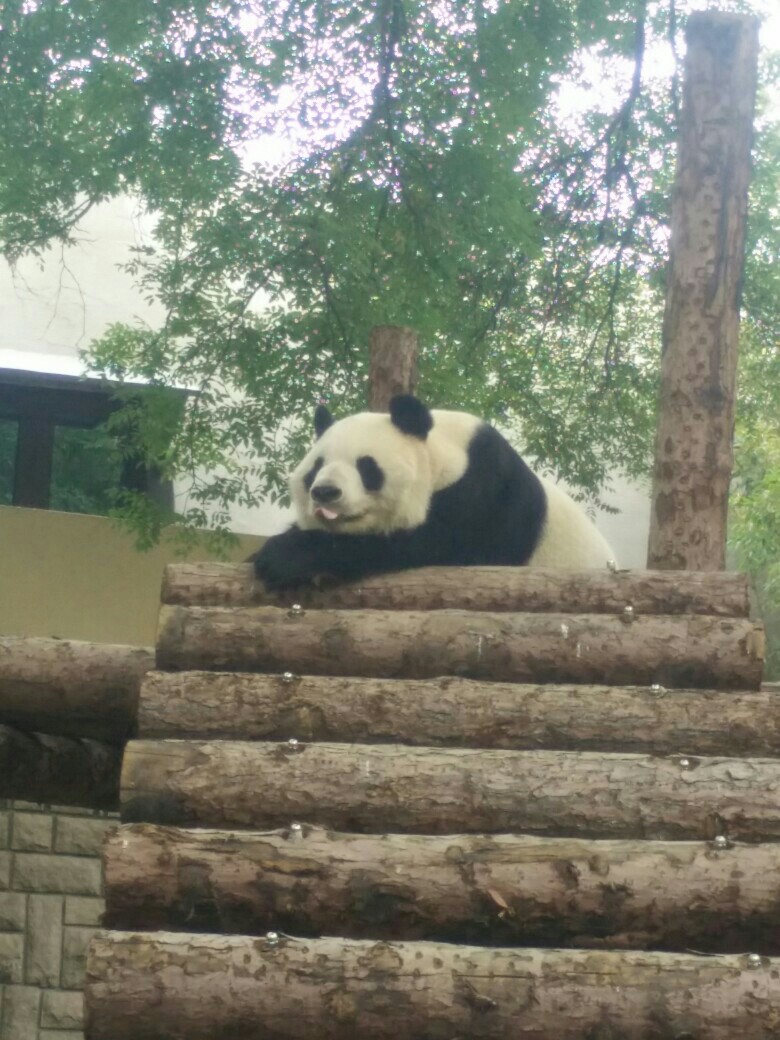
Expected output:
(51, 902)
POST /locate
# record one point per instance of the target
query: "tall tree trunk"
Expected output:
(693, 451)
(392, 365)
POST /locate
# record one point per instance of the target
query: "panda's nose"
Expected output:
(325, 493)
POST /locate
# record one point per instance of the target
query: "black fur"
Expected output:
(494, 514)
(370, 473)
(410, 416)
(310, 477)
(323, 420)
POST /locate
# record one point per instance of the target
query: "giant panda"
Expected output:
(382, 492)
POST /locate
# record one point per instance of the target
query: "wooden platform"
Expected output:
(414, 808)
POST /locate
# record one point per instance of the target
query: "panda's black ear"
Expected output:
(410, 416)
(322, 419)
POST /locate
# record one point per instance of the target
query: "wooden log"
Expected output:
(500, 890)
(392, 366)
(686, 650)
(163, 986)
(458, 713)
(695, 432)
(379, 787)
(71, 688)
(60, 770)
(498, 589)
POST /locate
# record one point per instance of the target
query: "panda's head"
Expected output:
(371, 472)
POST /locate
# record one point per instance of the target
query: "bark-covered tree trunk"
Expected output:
(381, 788)
(475, 588)
(61, 770)
(685, 650)
(502, 890)
(204, 987)
(693, 452)
(458, 712)
(392, 365)
(71, 688)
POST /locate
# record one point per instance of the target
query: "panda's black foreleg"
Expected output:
(298, 557)
(291, 558)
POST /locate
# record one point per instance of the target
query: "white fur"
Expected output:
(405, 461)
(569, 538)
(448, 445)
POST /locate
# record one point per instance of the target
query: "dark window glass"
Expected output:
(86, 470)
(9, 429)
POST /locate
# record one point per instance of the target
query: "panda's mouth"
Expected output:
(330, 516)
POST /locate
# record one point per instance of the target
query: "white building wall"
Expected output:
(52, 307)
(627, 530)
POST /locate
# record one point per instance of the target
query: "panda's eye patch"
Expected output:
(308, 480)
(370, 473)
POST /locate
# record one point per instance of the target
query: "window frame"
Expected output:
(39, 402)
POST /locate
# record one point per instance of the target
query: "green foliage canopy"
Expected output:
(317, 167)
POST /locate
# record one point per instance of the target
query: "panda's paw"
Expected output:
(287, 559)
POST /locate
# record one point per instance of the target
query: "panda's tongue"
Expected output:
(326, 514)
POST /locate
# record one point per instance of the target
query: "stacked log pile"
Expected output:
(485, 803)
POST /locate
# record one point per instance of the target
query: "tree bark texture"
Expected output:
(58, 770)
(501, 890)
(693, 451)
(458, 713)
(164, 986)
(378, 788)
(392, 365)
(474, 588)
(685, 650)
(71, 688)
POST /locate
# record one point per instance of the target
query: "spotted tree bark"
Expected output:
(693, 452)
(381, 788)
(685, 650)
(199, 987)
(458, 712)
(500, 890)
(392, 365)
(478, 588)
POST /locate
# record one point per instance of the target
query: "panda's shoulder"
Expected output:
(474, 437)
(457, 428)
(461, 444)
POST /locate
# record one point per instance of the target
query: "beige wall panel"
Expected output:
(80, 577)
